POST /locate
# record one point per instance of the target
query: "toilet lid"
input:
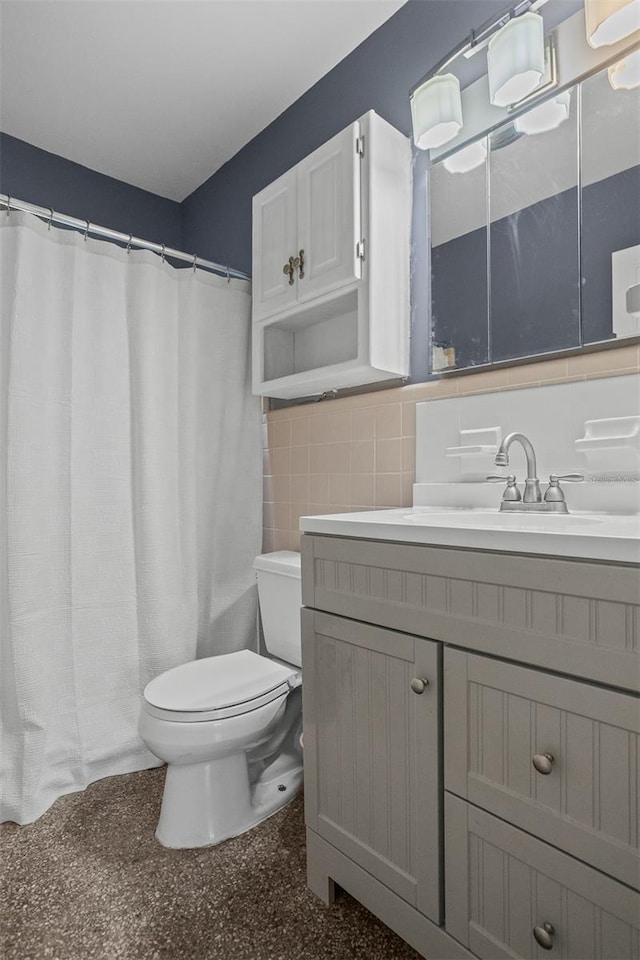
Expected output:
(217, 683)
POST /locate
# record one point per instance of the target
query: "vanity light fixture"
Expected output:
(625, 75)
(436, 111)
(609, 21)
(436, 106)
(462, 161)
(515, 59)
(547, 116)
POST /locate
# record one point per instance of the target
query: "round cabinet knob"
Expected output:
(419, 684)
(544, 935)
(543, 762)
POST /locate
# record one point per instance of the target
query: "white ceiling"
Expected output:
(161, 93)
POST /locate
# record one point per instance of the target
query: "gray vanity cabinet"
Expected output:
(534, 760)
(371, 740)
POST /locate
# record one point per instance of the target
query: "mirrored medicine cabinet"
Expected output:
(535, 236)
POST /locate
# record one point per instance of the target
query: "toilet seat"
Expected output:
(216, 688)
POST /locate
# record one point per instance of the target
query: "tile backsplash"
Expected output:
(358, 453)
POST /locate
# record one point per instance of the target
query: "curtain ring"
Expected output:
(163, 246)
(129, 244)
(195, 261)
(86, 231)
(50, 218)
(228, 277)
(8, 204)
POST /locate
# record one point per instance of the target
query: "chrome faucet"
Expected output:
(531, 484)
(531, 500)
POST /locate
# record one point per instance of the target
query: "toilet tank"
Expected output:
(279, 592)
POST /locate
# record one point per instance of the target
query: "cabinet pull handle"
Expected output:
(544, 935)
(543, 763)
(300, 263)
(419, 684)
(290, 268)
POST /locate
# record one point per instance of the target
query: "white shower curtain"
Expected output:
(130, 497)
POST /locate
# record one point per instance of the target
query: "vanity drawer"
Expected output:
(557, 757)
(581, 618)
(501, 884)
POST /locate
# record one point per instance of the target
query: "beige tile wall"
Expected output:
(358, 453)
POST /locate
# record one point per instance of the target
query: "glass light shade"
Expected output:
(466, 159)
(609, 21)
(625, 75)
(546, 116)
(515, 57)
(436, 111)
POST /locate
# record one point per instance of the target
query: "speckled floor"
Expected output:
(88, 881)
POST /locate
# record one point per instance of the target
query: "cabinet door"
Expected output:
(371, 752)
(329, 215)
(503, 886)
(274, 241)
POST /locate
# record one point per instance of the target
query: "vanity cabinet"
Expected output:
(331, 241)
(533, 763)
(371, 735)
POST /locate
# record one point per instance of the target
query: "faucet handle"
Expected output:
(511, 491)
(554, 493)
(554, 479)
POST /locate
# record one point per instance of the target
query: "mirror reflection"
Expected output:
(459, 246)
(535, 230)
(533, 237)
(610, 209)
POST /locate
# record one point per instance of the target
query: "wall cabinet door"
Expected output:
(371, 751)
(275, 237)
(312, 214)
(329, 215)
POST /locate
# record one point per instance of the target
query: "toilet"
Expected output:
(229, 727)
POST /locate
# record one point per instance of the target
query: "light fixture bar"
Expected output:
(480, 37)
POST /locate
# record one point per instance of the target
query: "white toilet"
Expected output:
(229, 726)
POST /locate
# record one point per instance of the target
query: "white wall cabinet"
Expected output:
(275, 239)
(331, 242)
(310, 215)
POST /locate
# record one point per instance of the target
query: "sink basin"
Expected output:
(587, 535)
(494, 520)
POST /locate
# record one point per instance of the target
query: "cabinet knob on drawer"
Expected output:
(419, 684)
(544, 935)
(543, 762)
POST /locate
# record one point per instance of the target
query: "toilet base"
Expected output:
(206, 803)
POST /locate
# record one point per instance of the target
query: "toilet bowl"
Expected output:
(229, 726)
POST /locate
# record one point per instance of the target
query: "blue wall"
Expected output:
(378, 75)
(215, 220)
(31, 174)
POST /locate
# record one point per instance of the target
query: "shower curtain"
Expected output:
(130, 497)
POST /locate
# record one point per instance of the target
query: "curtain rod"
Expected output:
(46, 213)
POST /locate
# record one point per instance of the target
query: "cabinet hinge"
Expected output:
(360, 249)
(360, 146)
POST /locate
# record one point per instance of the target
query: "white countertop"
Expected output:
(583, 535)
